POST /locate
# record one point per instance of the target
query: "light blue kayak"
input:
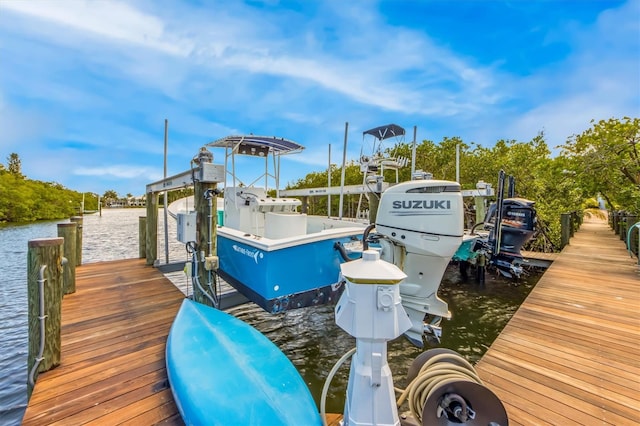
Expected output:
(222, 371)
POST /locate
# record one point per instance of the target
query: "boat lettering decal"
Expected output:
(255, 254)
(422, 204)
(518, 214)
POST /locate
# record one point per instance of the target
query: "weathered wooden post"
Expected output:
(610, 218)
(78, 221)
(68, 231)
(204, 194)
(151, 247)
(481, 209)
(565, 229)
(44, 282)
(572, 223)
(142, 237)
(622, 223)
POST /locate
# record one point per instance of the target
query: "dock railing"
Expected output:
(569, 223)
(623, 224)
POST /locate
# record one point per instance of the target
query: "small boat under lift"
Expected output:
(281, 259)
(277, 257)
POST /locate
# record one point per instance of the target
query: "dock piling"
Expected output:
(151, 246)
(206, 221)
(44, 266)
(78, 221)
(68, 231)
(615, 215)
(142, 237)
(565, 229)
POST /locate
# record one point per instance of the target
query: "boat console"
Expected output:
(250, 210)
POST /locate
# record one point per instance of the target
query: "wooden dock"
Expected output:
(112, 371)
(571, 353)
(114, 330)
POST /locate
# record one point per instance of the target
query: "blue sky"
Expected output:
(85, 86)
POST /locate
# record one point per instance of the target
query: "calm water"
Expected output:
(309, 337)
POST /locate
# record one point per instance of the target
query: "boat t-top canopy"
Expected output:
(385, 132)
(257, 145)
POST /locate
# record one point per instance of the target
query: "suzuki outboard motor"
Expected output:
(421, 226)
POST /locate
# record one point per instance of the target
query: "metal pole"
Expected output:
(266, 173)
(458, 163)
(166, 193)
(277, 179)
(329, 184)
(413, 152)
(344, 161)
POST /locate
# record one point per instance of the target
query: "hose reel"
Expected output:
(444, 389)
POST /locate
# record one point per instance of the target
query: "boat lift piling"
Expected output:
(204, 177)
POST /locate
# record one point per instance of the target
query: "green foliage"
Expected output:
(558, 184)
(109, 196)
(14, 164)
(605, 160)
(319, 205)
(25, 200)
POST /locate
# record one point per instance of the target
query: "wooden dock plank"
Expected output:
(571, 353)
(114, 331)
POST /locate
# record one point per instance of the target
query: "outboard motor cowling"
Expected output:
(421, 224)
(518, 225)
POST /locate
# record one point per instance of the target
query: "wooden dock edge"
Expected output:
(570, 354)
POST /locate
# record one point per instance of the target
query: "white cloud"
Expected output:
(120, 171)
(110, 19)
(256, 46)
(106, 74)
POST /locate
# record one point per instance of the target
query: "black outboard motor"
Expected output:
(518, 219)
(518, 226)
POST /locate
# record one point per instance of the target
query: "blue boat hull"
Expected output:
(222, 371)
(286, 278)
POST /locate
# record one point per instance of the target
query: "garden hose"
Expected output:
(438, 371)
(327, 383)
(445, 389)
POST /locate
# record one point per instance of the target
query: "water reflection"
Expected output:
(314, 343)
